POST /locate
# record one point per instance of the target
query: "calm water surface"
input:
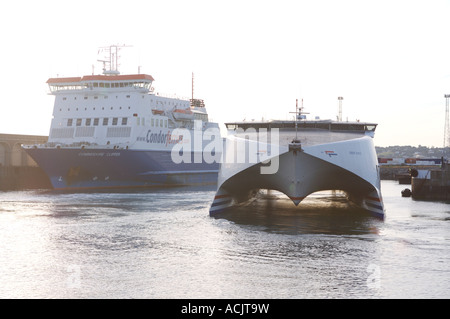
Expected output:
(164, 244)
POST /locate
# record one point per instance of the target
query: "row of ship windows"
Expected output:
(115, 121)
(76, 109)
(96, 97)
(143, 96)
(96, 121)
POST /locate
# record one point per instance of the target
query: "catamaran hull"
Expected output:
(350, 166)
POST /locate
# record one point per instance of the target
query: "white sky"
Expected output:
(390, 60)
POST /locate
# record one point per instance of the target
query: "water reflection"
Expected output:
(320, 213)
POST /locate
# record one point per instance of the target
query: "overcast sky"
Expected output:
(389, 60)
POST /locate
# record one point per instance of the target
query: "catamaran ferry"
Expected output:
(297, 158)
(112, 130)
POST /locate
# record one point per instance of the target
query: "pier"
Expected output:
(18, 171)
(431, 184)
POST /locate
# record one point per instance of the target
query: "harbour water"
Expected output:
(164, 244)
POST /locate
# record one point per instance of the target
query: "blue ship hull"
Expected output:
(70, 168)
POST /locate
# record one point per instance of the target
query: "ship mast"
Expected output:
(111, 59)
(296, 140)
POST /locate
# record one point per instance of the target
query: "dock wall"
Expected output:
(19, 171)
(392, 172)
(23, 177)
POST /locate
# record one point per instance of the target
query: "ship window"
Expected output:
(165, 123)
(114, 121)
(105, 121)
(88, 122)
(128, 96)
(124, 120)
(95, 97)
(96, 85)
(106, 85)
(79, 122)
(96, 122)
(64, 98)
(156, 123)
(153, 122)
(85, 98)
(161, 122)
(69, 122)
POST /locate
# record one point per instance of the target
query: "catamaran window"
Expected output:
(156, 122)
(88, 122)
(124, 120)
(105, 121)
(165, 123)
(96, 122)
(161, 122)
(79, 122)
(114, 122)
(96, 85)
(69, 122)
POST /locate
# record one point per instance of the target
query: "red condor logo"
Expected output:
(331, 153)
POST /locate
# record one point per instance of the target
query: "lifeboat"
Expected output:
(183, 114)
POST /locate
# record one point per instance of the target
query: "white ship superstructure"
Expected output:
(113, 130)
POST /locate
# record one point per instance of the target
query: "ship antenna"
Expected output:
(112, 58)
(296, 145)
(296, 117)
(192, 85)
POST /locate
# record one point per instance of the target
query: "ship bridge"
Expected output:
(141, 82)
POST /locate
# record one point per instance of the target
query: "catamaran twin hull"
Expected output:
(297, 171)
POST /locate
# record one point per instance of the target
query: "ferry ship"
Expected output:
(113, 130)
(303, 157)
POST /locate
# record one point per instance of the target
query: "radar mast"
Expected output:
(111, 58)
